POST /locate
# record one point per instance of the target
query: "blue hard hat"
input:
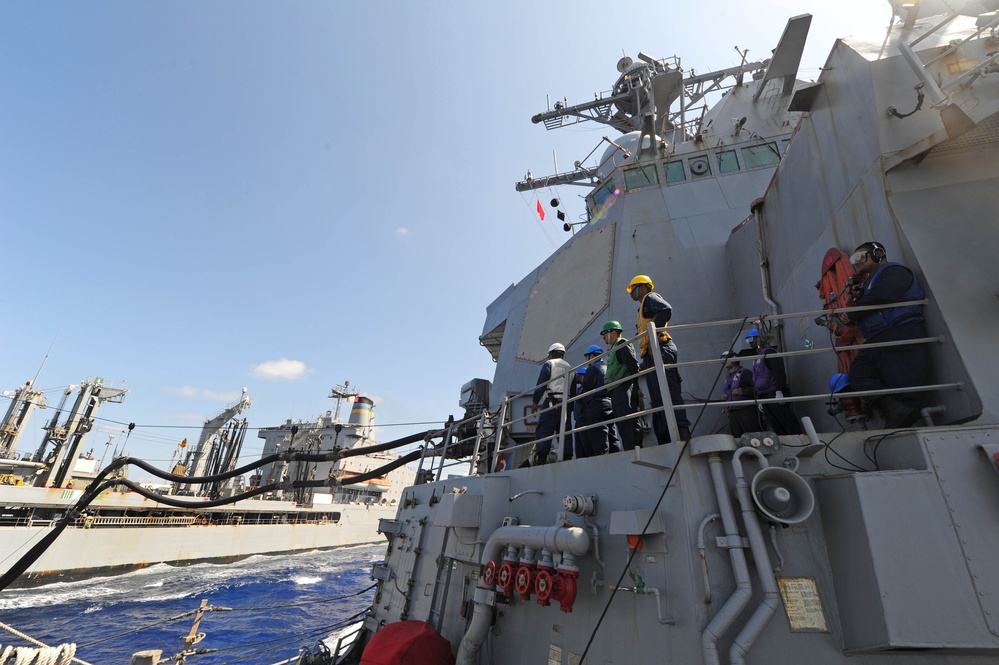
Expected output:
(593, 348)
(839, 382)
(753, 333)
(581, 370)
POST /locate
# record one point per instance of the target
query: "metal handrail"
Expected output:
(669, 409)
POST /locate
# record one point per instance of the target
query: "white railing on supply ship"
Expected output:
(669, 409)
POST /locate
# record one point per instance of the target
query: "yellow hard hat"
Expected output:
(641, 279)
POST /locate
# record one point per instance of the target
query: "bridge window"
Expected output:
(728, 162)
(641, 176)
(764, 154)
(675, 172)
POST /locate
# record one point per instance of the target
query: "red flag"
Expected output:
(541, 211)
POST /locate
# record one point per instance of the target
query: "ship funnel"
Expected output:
(362, 412)
(782, 495)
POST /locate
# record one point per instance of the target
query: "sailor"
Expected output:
(739, 386)
(893, 366)
(770, 381)
(621, 363)
(654, 308)
(548, 396)
(596, 408)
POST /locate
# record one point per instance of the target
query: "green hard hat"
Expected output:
(612, 325)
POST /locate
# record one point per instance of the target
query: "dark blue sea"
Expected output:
(279, 603)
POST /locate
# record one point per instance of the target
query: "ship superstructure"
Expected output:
(849, 543)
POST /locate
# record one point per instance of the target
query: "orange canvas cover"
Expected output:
(832, 286)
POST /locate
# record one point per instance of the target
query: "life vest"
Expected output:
(643, 325)
(556, 385)
(615, 369)
(732, 382)
(836, 274)
(764, 380)
(880, 320)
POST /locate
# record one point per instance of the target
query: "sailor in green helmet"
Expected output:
(621, 363)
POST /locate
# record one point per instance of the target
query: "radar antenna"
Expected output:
(340, 393)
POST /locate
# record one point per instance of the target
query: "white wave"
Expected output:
(301, 579)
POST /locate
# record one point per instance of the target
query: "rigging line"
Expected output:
(881, 439)
(374, 425)
(286, 639)
(669, 481)
(141, 628)
(856, 467)
(541, 224)
(28, 638)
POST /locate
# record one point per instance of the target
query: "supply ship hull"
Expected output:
(121, 529)
(129, 532)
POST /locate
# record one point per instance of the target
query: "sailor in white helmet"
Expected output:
(552, 384)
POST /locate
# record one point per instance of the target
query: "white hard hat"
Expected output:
(556, 347)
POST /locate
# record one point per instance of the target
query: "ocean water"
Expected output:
(279, 603)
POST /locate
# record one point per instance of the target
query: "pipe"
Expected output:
(596, 541)
(730, 611)
(704, 559)
(570, 540)
(928, 412)
(757, 209)
(771, 597)
(813, 436)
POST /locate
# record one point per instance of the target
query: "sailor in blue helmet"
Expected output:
(769, 378)
(738, 386)
(893, 366)
(596, 408)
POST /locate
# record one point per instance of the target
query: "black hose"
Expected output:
(99, 485)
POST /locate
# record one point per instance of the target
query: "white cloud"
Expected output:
(191, 391)
(224, 397)
(402, 232)
(281, 370)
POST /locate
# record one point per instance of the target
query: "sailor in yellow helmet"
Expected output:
(653, 307)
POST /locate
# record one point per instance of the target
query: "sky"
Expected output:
(201, 197)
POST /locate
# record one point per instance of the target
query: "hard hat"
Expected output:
(581, 370)
(611, 325)
(641, 279)
(730, 355)
(556, 347)
(752, 333)
(839, 382)
(593, 348)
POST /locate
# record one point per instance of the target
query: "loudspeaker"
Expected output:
(878, 252)
(782, 495)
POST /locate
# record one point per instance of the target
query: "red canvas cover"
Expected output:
(407, 643)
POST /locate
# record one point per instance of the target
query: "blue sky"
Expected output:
(197, 197)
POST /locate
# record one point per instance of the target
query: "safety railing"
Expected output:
(659, 368)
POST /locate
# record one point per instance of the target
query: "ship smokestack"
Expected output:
(362, 411)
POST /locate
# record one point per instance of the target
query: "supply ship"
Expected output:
(185, 521)
(736, 192)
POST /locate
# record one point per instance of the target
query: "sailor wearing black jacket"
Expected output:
(654, 308)
(894, 366)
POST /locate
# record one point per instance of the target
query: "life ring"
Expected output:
(204, 520)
